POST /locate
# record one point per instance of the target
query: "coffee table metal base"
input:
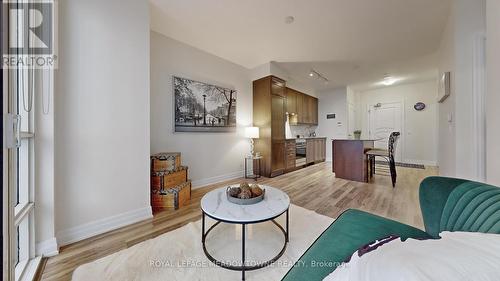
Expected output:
(243, 268)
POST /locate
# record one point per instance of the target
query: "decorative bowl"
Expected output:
(249, 201)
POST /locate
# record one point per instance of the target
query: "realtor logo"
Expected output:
(30, 34)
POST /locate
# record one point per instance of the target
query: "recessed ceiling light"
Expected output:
(289, 19)
(311, 74)
(389, 80)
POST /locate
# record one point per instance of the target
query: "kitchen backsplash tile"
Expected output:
(302, 130)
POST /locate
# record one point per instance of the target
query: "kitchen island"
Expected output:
(349, 159)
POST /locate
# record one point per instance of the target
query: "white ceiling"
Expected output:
(361, 76)
(339, 38)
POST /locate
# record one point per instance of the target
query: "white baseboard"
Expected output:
(94, 228)
(47, 248)
(203, 182)
(421, 162)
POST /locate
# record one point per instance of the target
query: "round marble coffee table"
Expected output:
(216, 206)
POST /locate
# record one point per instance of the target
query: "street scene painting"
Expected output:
(201, 107)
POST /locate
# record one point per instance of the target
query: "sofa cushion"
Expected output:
(457, 256)
(473, 207)
(343, 237)
(434, 192)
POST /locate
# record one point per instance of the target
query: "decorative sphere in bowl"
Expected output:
(234, 191)
(244, 194)
(256, 190)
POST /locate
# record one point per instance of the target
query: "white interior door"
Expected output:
(385, 118)
(351, 121)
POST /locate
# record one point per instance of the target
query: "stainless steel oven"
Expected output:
(300, 152)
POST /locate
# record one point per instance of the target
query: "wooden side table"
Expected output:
(256, 172)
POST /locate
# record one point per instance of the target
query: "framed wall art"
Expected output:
(202, 107)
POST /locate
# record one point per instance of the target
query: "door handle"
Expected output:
(18, 130)
(12, 125)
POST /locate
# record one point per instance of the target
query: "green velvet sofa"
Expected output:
(447, 204)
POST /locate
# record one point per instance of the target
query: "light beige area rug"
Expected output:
(178, 254)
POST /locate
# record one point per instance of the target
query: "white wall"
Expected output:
(493, 92)
(332, 102)
(45, 231)
(101, 117)
(467, 20)
(446, 132)
(211, 157)
(470, 20)
(260, 71)
(419, 134)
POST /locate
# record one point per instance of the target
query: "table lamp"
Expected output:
(252, 133)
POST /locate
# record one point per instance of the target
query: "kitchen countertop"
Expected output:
(305, 138)
(344, 139)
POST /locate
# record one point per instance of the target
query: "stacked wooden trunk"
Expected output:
(170, 187)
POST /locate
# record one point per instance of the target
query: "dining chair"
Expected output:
(387, 154)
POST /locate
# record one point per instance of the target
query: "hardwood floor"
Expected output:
(314, 188)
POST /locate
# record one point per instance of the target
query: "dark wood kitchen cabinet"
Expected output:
(303, 109)
(278, 117)
(269, 114)
(277, 158)
(306, 109)
(291, 101)
(300, 107)
(311, 110)
(316, 150)
(272, 100)
(278, 87)
(320, 150)
(290, 155)
(310, 153)
(314, 111)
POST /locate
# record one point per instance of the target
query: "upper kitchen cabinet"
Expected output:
(302, 108)
(313, 110)
(278, 87)
(291, 101)
(307, 106)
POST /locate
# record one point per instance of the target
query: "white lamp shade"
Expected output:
(252, 132)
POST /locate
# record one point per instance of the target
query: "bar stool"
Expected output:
(387, 154)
